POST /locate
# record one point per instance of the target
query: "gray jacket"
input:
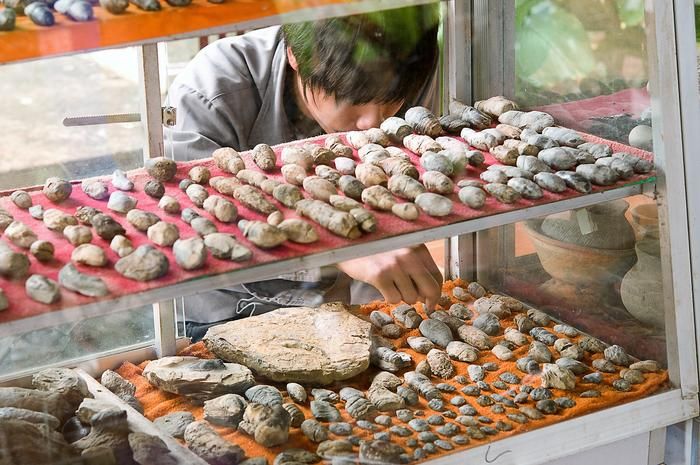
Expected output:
(232, 95)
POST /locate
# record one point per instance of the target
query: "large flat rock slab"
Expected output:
(299, 344)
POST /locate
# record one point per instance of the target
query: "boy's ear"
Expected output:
(292, 59)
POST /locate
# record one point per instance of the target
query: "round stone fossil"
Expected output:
(154, 188)
(42, 289)
(57, 190)
(200, 174)
(163, 233)
(161, 168)
(22, 199)
(106, 227)
(144, 264)
(77, 235)
(89, 254)
(42, 250)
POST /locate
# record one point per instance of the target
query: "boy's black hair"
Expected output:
(382, 57)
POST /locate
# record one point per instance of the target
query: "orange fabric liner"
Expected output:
(134, 26)
(157, 403)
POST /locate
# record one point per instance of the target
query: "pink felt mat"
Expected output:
(576, 115)
(389, 225)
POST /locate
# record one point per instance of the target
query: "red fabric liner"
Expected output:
(389, 225)
(576, 115)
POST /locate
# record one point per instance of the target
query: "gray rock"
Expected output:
(575, 181)
(388, 359)
(174, 423)
(21, 414)
(20, 234)
(206, 443)
(436, 404)
(226, 410)
(380, 319)
(474, 197)
(467, 410)
(57, 190)
(599, 175)
(118, 385)
(420, 344)
(527, 365)
(95, 189)
(404, 415)
(617, 355)
(348, 393)
(254, 461)
(392, 331)
(296, 392)
(121, 202)
(444, 445)
(37, 212)
(604, 365)
(277, 344)
(150, 450)
(161, 168)
(407, 316)
(226, 246)
(574, 366)
(539, 352)
(141, 220)
(146, 263)
(475, 337)
(183, 375)
(340, 429)
(460, 311)
(42, 289)
(336, 448)
(565, 402)
(296, 456)
(121, 181)
(462, 294)
(488, 323)
(543, 336)
(154, 188)
(476, 373)
(400, 431)
(22, 199)
(190, 254)
(163, 233)
(440, 364)
(121, 245)
(557, 377)
(72, 279)
(590, 394)
(632, 376)
(269, 426)
(422, 384)
(380, 452)
(419, 425)
(436, 420)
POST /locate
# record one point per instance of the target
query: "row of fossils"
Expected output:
(385, 173)
(59, 421)
(42, 12)
(469, 325)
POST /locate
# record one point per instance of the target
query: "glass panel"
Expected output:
(596, 268)
(37, 96)
(586, 66)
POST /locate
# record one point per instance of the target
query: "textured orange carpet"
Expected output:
(158, 403)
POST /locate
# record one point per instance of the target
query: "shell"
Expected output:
(575, 181)
(471, 115)
(599, 175)
(437, 182)
(320, 154)
(434, 204)
(432, 161)
(396, 128)
(421, 144)
(528, 189)
(423, 121)
(393, 166)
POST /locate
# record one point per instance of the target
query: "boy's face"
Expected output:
(335, 116)
(338, 116)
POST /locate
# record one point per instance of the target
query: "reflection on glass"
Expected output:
(586, 65)
(597, 268)
(38, 95)
(75, 339)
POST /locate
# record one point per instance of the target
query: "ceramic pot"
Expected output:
(577, 264)
(642, 289)
(645, 220)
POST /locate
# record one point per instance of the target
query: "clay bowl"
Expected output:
(575, 264)
(645, 220)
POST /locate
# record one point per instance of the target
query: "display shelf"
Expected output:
(135, 26)
(139, 423)
(392, 233)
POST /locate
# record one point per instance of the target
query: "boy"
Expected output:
(302, 80)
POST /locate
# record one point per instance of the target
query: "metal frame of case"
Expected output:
(479, 38)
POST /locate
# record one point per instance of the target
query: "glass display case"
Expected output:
(564, 237)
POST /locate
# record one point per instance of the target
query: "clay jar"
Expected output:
(642, 289)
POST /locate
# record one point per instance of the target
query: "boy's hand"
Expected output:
(409, 275)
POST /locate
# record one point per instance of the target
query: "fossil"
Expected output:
(226, 247)
(226, 410)
(161, 168)
(105, 226)
(206, 443)
(42, 289)
(90, 255)
(20, 234)
(72, 279)
(269, 426)
(144, 264)
(13, 265)
(163, 233)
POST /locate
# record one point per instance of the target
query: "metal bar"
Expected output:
(681, 333)
(165, 327)
(578, 434)
(657, 446)
(327, 257)
(462, 257)
(151, 111)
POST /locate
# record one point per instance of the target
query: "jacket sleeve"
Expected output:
(201, 126)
